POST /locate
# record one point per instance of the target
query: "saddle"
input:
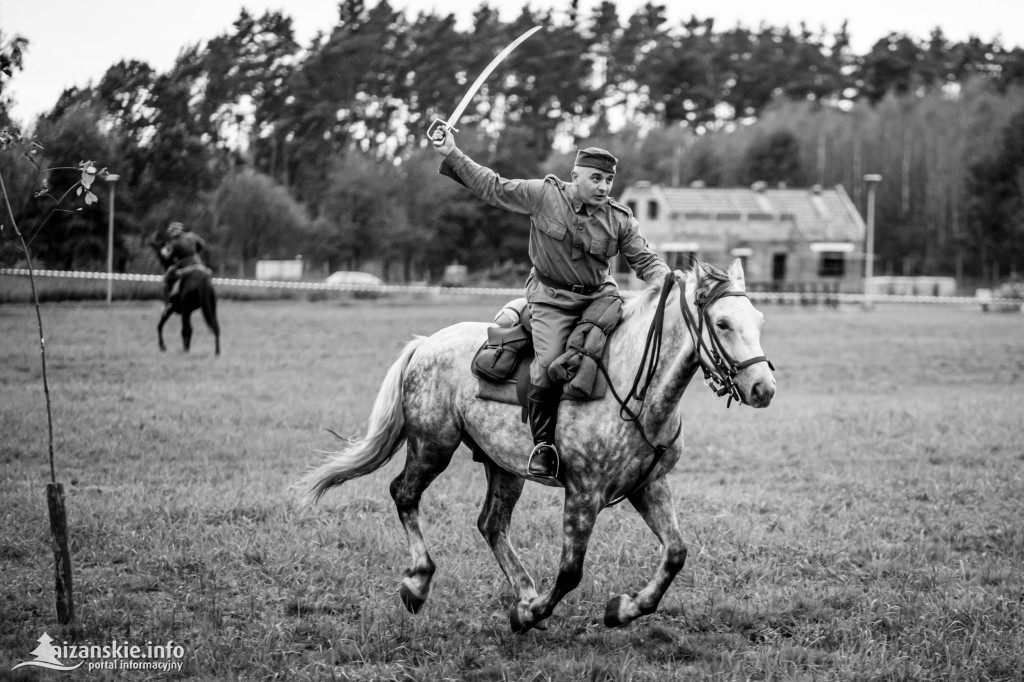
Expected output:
(180, 273)
(502, 364)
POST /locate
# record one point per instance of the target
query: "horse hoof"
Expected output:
(515, 618)
(412, 601)
(614, 616)
(517, 625)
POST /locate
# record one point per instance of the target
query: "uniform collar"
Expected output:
(577, 202)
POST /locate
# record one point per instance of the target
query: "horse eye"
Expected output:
(722, 324)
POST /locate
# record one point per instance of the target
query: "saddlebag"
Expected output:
(498, 359)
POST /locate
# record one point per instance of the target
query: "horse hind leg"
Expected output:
(425, 460)
(186, 330)
(164, 316)
(654, 503)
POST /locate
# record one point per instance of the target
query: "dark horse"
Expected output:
(194, 291)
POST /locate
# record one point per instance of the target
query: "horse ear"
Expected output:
(736, 274)
(699, 273)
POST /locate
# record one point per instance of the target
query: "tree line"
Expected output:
(272, 149)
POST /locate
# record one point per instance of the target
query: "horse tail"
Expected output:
(384, 435)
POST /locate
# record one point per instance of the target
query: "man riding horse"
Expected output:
(575, 229)
(188, 284)
(428, 400)
(181, 250)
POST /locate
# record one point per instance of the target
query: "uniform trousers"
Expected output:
(554, 313)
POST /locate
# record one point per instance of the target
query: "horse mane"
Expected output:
(636, 301)
(642, 300)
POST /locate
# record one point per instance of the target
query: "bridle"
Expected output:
(720, 368)
(719, 372)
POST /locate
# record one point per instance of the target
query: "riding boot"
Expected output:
(542, 409)
(175, 290)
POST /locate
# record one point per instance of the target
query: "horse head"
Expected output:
(726, 332)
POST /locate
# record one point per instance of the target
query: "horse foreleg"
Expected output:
(578, 517)
(210, 315)
(654, 502)
(167, 312)
(422, 465)
(503, 491)
(186, 330)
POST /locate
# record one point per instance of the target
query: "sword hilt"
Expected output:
(438, 123)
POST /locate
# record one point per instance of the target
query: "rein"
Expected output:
(721, 370)
(645, 374)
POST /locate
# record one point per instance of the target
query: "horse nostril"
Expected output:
(762, 393)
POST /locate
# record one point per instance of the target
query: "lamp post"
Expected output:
(112, 181)
(869, 248)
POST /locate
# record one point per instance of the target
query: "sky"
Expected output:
(74, 42)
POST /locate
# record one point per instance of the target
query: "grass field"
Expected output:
(869, 525)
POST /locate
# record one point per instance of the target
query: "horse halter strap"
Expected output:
(720, 368)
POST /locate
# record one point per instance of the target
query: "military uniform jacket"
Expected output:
(570, 242)
(184, 249)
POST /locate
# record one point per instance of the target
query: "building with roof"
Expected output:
(787, 238)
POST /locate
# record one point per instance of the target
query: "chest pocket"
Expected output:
(551, 227)
(600, 246)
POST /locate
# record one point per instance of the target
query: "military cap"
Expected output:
(595, 157)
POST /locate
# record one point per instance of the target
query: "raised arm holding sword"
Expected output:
(575, 229)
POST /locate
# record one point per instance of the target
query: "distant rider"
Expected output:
(181, 250)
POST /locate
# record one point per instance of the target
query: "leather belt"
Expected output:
(583, 289)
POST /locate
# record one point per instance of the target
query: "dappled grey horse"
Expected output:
(618, 446)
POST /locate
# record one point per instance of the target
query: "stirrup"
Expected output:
(539, 449)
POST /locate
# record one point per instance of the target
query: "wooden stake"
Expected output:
(61, 552)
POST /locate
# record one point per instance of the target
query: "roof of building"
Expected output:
(819, 214)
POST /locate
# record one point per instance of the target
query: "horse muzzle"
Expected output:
(757, 384)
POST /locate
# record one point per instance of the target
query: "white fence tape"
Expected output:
(770, 297)
(273, 284)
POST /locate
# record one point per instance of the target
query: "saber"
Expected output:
(468, 97)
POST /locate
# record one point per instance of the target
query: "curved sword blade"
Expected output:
(468, 97)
